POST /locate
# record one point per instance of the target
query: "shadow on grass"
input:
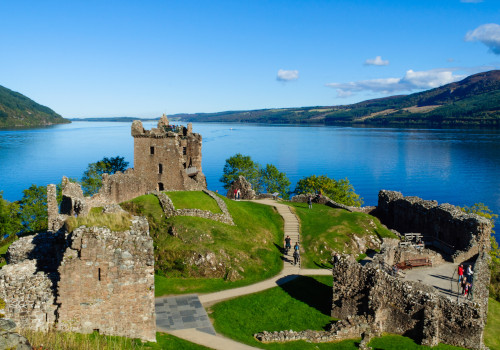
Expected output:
(311, 292)
(323, 265)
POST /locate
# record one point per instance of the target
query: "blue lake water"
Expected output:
(460, 167)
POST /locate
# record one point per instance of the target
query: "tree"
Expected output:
(33, 209)
(10, 222)
(340, 191)
(240, 165)
(92, 177)
(272, 180)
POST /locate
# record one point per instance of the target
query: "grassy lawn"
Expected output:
(491, 336)
(62, 341)
(3, 250)
(193, 200)
(250, 249)
(303, 303)
(325, 229)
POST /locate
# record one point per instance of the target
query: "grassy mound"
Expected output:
(303, 303)
(325, 229)
(200, 255)
(193, 200)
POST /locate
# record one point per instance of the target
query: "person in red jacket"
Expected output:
(460, 273)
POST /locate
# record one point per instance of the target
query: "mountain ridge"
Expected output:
(17, 110)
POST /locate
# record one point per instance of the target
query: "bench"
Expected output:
(411, 263)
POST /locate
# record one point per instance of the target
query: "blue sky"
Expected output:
(145, 58)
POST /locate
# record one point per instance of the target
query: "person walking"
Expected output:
(469, 273)
(464, 284)
(288, 244)
(238, 194)
(235, 193)
(296, 247)
(460, 273)
(309, 202)
(296, 257)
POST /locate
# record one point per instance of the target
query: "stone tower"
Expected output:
(168, 157)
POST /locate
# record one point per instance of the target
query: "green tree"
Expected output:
(33, 209)
(10, 222)
(340, 191)
(241, 165)
(483, 210)
(272, 180)
(92, 177)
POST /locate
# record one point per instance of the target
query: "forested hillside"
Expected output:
(18, 110)
(473, 101)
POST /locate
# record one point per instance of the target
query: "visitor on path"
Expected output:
(335, 259)
(460, 273)
(468, 291)
(469, 273)
(296, 247)
(288, 244)
(235, 193)
(238, 193)
(296, 257)
(310, 201)
(463, 285)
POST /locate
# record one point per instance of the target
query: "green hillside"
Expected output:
(18, 110)
(473, 101)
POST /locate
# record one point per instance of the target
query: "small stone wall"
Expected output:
(169, 209)
(245, 187)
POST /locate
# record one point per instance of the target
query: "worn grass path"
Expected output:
(288, 273)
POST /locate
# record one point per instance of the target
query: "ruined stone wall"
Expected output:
(245, 187)
(121, 187)
(408, 308)
(163, 158)
(444, 222)
(28, 295)
(90, 279)
(107, 282)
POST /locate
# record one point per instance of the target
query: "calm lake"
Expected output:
(460, 167)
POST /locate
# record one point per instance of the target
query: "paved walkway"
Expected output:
(182, 316)
(440, 277)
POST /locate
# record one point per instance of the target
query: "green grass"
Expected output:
(251, 248)
(491, 336)
(325, 229)
(4, 248)
(303, 303)
(113, 221)
(193, 200)
(61, 341)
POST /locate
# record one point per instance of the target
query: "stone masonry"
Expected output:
(91, 279)
(168, 157)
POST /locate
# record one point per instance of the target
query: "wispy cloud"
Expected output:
(377, 61)
(287, 75)
(488, 34)
(411, 81)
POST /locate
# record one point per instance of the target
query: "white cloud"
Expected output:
(287, 75)
(377, 61)
(411, 81)
(488, 34)
(471, 1)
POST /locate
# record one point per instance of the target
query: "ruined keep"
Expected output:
(90, 279)
(168, 157)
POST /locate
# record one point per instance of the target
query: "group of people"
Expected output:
(465, 282)
(296, 248)
(237, 194)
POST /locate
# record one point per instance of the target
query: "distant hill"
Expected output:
(473, 101)
(18, 110)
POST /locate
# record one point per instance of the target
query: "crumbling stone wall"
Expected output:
(28, 295)
(90, 279)
(245, 187)
(107, 282)
(169, 209)
(465, 234)
(409, 308)
(168, 157)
